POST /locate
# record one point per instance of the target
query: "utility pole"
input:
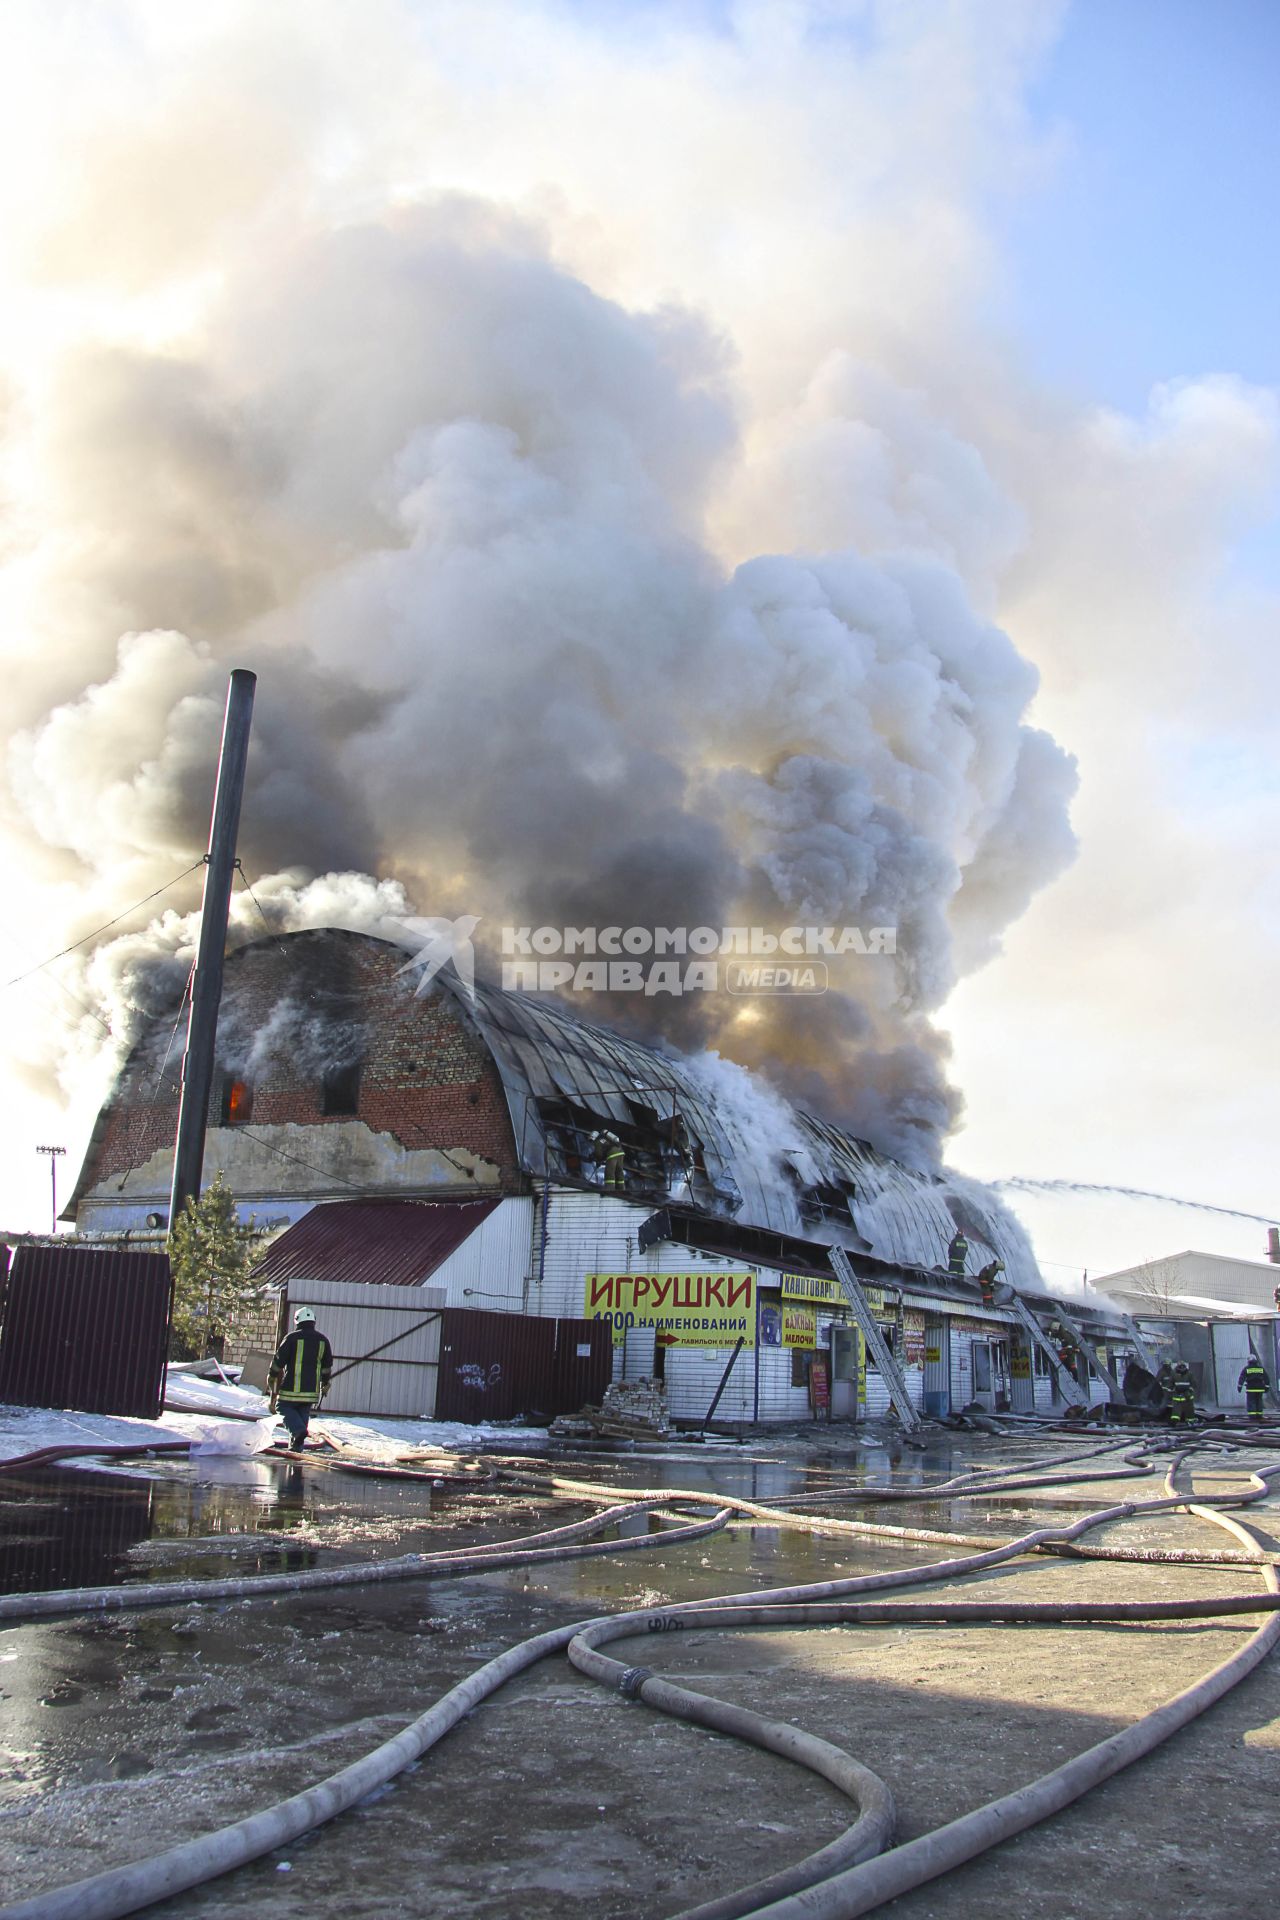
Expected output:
(206, 981)
(53, 1153)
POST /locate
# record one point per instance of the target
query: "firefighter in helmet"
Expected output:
(1255, 1380)
(298, 1378)
(612, 1155)
(1183, 1407)
(987, 1281)
(957, 1254)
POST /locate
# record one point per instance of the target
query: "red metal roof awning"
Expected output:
(387, 1243)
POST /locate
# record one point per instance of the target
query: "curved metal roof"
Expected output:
(709, 1135)
(820, 1183)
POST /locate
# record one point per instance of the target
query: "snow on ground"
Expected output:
(203, 1419)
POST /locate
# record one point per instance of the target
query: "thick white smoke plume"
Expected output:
(469, 517)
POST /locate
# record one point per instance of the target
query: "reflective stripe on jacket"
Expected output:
(302, 1365)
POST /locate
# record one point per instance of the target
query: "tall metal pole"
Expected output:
(206, 982)
(53, 1153)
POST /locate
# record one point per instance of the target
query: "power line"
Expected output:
(182, 1005)
(62, 986)
(258, 904)
(106, 927)
(310, 1165)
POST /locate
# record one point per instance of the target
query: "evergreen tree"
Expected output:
(211, 1253)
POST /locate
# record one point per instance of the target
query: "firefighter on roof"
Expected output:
(957, 1254)
(987, 1281)
(613, 1156)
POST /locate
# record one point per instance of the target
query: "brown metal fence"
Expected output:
(500, 1366)
(87, 1328)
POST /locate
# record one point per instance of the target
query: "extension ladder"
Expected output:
(877, 1346)
(1071, 1392)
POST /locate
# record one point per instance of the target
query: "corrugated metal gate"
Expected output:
(500, 1366)
(88, 1328)
(419, 1360)
(393, 1336)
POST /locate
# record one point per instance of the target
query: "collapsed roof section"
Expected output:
(686, 1144)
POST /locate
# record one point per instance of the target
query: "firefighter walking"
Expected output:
(1183, 1406)
(1255, 1380)
(298, 1377)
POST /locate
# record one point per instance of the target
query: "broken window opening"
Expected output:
(660, 1159)
(340, 1089)
(890, 1334)
(235, 1107)
(826, 1201)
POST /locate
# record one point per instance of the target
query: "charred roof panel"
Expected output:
(896, 1214)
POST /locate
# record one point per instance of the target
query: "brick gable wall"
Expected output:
(296, 1005)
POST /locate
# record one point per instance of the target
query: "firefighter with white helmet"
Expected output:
(613, 1156)
(298, 1377)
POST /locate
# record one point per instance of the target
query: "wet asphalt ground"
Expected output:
(129, 1732)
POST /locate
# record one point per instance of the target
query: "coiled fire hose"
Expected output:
(825, 1887)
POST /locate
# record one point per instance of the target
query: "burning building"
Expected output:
(516, 1160)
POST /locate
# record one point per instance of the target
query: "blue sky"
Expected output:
(1150, 253)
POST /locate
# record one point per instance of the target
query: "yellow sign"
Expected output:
(874, 1297)
(799, 1325)
(802, 1286)
(684, 1309)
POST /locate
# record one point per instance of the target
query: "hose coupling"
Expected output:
(632, 1680)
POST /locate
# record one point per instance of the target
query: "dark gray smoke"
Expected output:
(446, 500)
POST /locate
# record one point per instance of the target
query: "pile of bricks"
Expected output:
(631, 1410)
(638, 1402)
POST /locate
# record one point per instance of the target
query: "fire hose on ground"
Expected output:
(840, 1881)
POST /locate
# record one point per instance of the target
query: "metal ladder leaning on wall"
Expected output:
(1090, 1356)
(891, 1372)
(1146, 1358)
(1071, 1392)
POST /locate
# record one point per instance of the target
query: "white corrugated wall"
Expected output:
(694, 1373)
(591, 1233)
(490, 1269)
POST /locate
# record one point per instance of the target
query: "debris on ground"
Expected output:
(630, 1410)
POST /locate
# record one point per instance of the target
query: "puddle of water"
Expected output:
(71, 1527)
(76, 1527)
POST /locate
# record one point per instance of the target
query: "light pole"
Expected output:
(53, 1153)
